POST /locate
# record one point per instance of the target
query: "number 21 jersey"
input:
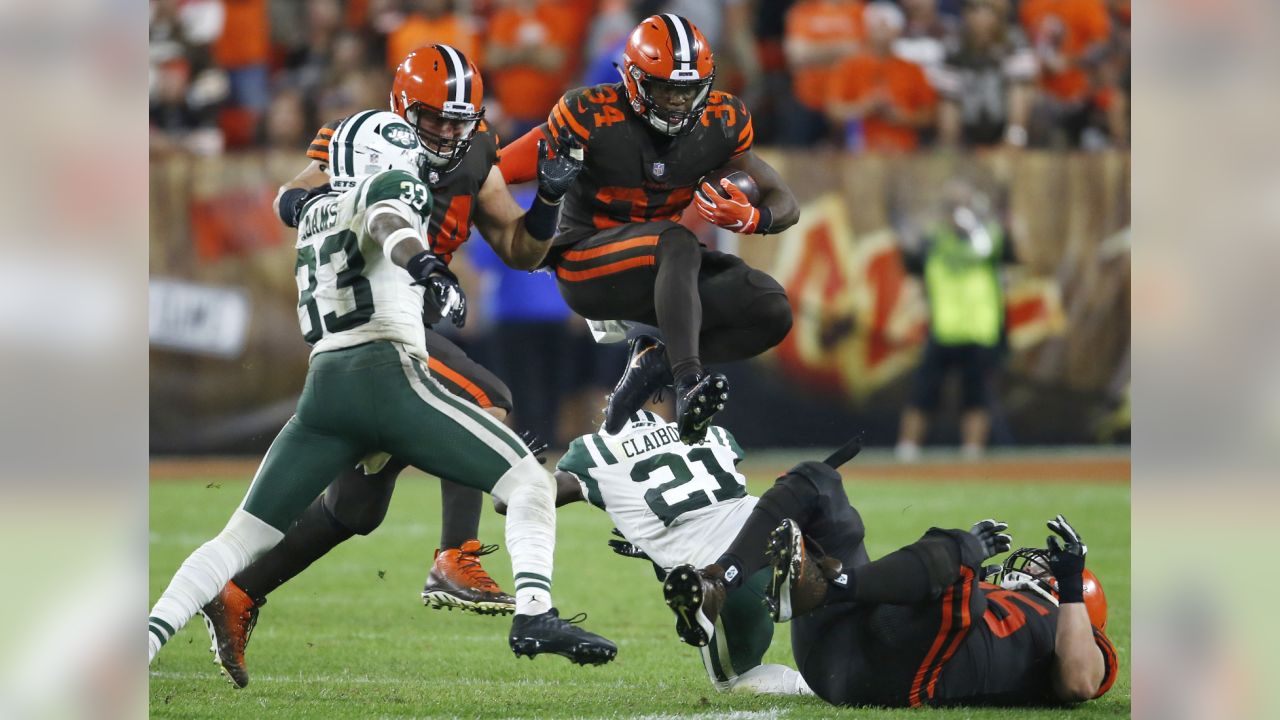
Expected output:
(679, 503)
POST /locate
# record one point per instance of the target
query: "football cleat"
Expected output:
(457, 580)
(696, 406)
(230, 618)
(549, 633)
(695, 596)
(645, 376)
(798, 583)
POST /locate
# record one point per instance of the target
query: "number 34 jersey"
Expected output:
(679, 503)
(349, 291)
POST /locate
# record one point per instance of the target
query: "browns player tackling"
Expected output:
(620, 253)
(919, 626)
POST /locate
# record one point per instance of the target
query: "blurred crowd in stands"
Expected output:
(881, 76)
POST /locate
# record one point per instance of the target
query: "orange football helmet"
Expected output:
(1028, 569)
(440, 93)
(667, 70)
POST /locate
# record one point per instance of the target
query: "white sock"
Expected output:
(771, 680)
(529, 492)
(907, 451)
(203, 574)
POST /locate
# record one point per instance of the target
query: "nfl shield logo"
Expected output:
(434, 177)
(659, 169)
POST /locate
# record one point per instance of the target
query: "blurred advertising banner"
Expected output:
(218, 254)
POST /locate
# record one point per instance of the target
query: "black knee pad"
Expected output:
(361, 505)
(772, 313)
(817, 475)
(944, 552)
(359, 520)
(796, 494)
(678, 242)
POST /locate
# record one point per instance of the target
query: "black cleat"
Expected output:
(646, 374)
(548, 633)
(786, 554)
(801, 573)
(696, 406)
(695, 596)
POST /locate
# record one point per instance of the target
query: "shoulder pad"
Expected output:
(731, 115)
(576, 459)
(584, 110)
(398, 185)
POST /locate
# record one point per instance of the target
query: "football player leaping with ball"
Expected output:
(620, 253)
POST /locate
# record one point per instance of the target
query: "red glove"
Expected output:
(733, 213)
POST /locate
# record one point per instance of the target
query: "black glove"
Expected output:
(443, 296)
(1066, 560)
(536, 445)
(625, 548)
(992, 536)
(556, 174)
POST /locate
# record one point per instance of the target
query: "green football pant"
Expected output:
(744, 630)
(371, 398)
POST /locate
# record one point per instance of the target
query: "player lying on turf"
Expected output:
(439, 92)
(918, 626)
(675, 503)
(366, 280)
(621, 254)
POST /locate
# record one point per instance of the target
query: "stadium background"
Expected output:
(238, 89)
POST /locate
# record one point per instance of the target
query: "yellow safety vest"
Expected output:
(965, 298)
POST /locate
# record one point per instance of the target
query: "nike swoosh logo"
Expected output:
(581, 108)
(635, 362)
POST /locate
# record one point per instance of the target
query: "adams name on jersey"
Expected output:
(349, 292)
(679, 503)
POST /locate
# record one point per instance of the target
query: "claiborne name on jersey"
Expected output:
(652, 441)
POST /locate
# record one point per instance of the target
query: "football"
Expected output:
(744, 182)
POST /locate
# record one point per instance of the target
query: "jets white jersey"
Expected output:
(679, 503)
(349, 291)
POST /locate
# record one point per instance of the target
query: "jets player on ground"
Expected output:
(439, 92)
(675, 503)
(918, 626)
(365, 281)
(621, 254)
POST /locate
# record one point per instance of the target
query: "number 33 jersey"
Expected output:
(349, 291)
(679, 503)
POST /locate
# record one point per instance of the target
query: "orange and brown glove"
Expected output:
(734, 213)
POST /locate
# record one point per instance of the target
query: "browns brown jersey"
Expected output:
(632, 174)
(453, 193)
(978, 644)
(1007, 657)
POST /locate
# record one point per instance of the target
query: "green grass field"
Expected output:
(350, 638)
